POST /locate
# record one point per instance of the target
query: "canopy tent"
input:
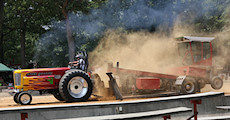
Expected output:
(4, 68)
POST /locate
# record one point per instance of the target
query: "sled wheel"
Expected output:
(189, 86)
(24, 98)
(75, 86)
(216, 83)
(16, 97)
(57, 95)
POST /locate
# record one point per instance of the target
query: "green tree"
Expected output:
(1, 31)
(66, 32)
(24, 21)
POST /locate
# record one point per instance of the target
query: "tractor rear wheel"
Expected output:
(216, 83)
(189, 86)
(75, 86)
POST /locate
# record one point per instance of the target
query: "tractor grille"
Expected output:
(18, 79)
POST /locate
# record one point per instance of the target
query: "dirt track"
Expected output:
(6, 100)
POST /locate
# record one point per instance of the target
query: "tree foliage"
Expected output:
(37, 28)
(23, 21)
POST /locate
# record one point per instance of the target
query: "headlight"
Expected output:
(18, 79)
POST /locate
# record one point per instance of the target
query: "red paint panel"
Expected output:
(190, 71)
(148, 83)
(198, 72)
(141, 73)
(38, 79)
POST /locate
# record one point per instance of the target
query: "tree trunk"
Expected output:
(1, 48)
(69, 33)
(23, 40)
(1, 31)
(70, 39)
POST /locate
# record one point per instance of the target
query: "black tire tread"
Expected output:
(64, 82)
(213, 83)
(16, 98)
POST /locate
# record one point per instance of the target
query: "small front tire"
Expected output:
(24, 98)
(16, 98)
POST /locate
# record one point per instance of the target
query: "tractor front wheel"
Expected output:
(75, 86)
(24, 98)
(16, 97)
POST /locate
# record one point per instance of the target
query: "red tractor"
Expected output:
(198, 70)
(64, 83)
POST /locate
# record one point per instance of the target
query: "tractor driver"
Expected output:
(79, 63)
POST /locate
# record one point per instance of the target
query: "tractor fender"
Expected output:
(70, 70)
(180, 80)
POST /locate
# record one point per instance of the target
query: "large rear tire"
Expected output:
(189, 86)
(75, 86)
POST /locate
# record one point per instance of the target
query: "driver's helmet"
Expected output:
(78, 56)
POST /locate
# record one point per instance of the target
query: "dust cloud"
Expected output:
(145, 51)
(153, 52)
